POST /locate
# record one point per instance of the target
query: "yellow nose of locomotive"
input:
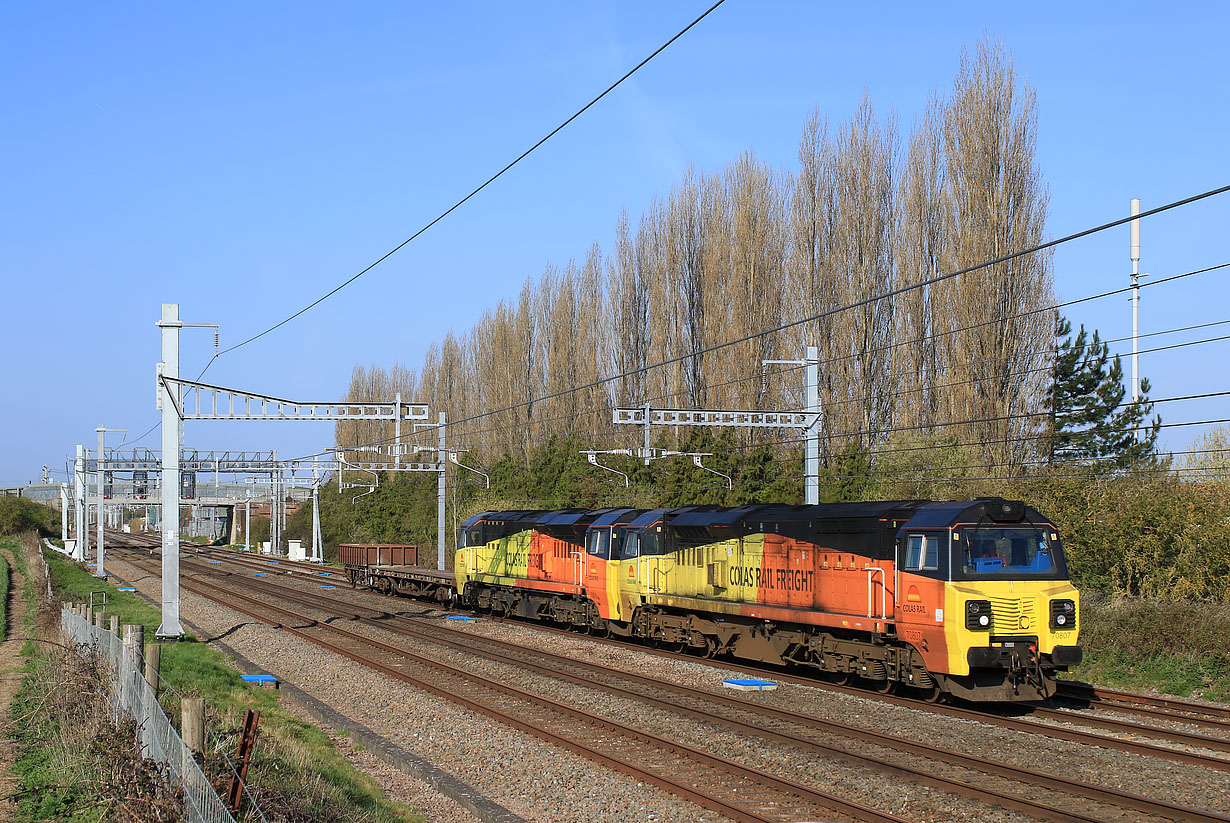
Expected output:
(1014, 631)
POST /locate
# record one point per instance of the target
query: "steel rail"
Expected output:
(979, 715)
(989, 716)
(790, 719)
(787, 788)
(1029, 777)
(1169, 707)
(1216, 718)
(1205, 741)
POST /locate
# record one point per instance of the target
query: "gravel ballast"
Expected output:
(540, 782)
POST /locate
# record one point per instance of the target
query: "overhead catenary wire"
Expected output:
(476, 190)
(863, 302)
(928, 427)
(606, 407)
(1060, 471)
(1049, 244)
(897, 393)
(935, 335)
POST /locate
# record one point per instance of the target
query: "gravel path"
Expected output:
(11, 640)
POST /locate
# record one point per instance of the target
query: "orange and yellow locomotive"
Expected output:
(970, 599)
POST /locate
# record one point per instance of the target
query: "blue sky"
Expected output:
(242, 159)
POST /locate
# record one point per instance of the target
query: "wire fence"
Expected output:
(155, 735)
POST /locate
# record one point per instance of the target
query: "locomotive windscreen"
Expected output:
(999, 552)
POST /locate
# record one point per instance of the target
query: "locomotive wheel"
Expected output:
(932, 695)
(885, 686)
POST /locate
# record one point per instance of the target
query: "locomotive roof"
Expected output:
(616, 517)
(982, 510)
(752, 518)
(517, 516)
(647, 518)
(573, 521)
(749, 519)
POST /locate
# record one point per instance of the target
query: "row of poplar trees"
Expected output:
(870, 210)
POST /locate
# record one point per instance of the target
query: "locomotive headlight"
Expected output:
(1063, 614)
(977, 614)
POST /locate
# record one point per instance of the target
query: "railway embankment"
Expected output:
(1143, 644)
(73, 764)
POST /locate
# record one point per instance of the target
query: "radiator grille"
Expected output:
(1012, 615)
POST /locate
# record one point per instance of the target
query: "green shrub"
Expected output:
(20, 514)
(1178, 648)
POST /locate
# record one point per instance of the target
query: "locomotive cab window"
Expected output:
(922, 553)
(599, 544)
(651, 541)
(632, 546)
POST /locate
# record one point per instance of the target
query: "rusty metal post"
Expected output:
(247, 740)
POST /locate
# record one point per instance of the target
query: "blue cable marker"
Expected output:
(258, 574)
(460, 618)
(128, 588)
(750, 685)
(215, 562)
(260, 679)
(326, 587)
(326, 574)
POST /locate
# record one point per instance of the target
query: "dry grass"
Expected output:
(1138, 643)
(74, 764)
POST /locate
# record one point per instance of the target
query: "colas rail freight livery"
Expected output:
(968, 599)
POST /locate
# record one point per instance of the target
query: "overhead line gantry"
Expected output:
(229, 404)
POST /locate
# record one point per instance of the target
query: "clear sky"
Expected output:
(241, 159)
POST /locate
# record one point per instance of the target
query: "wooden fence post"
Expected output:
(153, 660)
(192, 729)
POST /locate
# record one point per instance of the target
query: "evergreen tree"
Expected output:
(1089, 418)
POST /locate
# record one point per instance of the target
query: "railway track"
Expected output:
(731, 789)
(1160, 708)
(1212, 718)
(1030, 792)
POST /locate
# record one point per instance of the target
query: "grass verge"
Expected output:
(295, 774)
(4, 583)
(1174, 648)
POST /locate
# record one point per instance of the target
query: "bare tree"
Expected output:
(996, 203)
(921, 251)
(864, 170)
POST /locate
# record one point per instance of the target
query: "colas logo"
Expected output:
(913, 602)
